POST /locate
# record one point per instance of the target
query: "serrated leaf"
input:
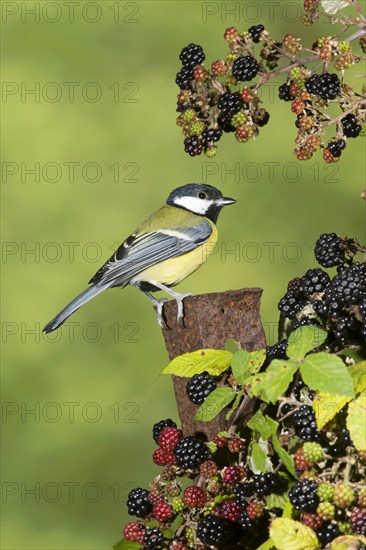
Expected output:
(326, 406)
(212, 446)
(331, 7)
(358, 373)
(288, 534)
(239, 363)
(272, 383)
(277, 501)
(267, 545)
(287, 459)
(256, 360)
(214, 361)
(259, 424)
(303, 340)
(125, 544)
(214, 403)
(258, 458)
(231, 345)
(347, 542)
(235, 405)
(327, 372)
(356, 421)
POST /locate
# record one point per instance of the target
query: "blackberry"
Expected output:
(327, 532)
(329, 250)
(184, 78)
(358, 521)
(349, 286)
(194, 496)
(256, 32)
(245, 522)
(192, 55)
(290, 304)
(153, 539)
(336, 147)
(225, 124)
(190, 452)
(303, 495)
(314, 282)
(265, 484)
(245, 68)
(346, 329)
(351, 128)
(230, 509)
(326, 86)
(193, 146)
(305, 424)
(169, 437)
(284, 93)
(295, 285)
(213, 531)
(199, 387)
(311, 84)
(230, 104)
(303, 322)
(138, 503)
(362, 308)
(243, 490)
(211, 135)
(277, 351)
(157, 428)
(261, 117)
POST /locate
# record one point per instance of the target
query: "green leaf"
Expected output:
(356, 421)
(125, 544)
(260, 424)
(256, 360)
(258, 458)
(326, 406)
(358, 373)
(347, 542)
(357, 354)
(214, 403)
(239, 363)
(303, 340)
(235, 405)
(287, 459)
(272, 383)
(277, 501)
(327, 372)
(288, 534)
(231, 345)
(267, 545)
(214, 361)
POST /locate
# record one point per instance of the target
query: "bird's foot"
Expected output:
(180, 307)
(159, 304)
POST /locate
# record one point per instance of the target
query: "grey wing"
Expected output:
(138, 253)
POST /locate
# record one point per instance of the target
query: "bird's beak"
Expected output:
(225, 201)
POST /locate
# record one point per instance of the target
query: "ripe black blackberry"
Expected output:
(277, 351)
(245, 522)
(243, 490)
(336, 147)
(193, 146)
(284, 93)
(311, 84)
(213, 531)
(351, 127)
(303, 322)
(199, 387)
(245, 68)
(211, 135)
(305, 424)
(330, 250)
(362, 308)
(349, 286)
(225, 124)
(192, 55)
(327, 532)
(303, 495)
(256, 32)
(184, 78)
(190, 452)
(265, 484)
(157, 428)
(326, 86)
(138, 503)
(347, 329)
(314, 281)
(230, 104)
(290, 304)
(153, 539)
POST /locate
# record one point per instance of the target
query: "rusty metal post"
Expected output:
(209, 320)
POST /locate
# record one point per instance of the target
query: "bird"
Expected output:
(165, 249)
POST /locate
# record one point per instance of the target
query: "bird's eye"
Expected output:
(202, 195)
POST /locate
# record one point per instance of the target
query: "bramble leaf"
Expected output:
(239, 364)
(214, 403)
(327, 372)
(356, 421)
(288, 534)
(303, 340)
(214, 361)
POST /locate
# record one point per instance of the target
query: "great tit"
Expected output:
(165, 249)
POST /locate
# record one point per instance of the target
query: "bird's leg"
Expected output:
(159, 304)
(179, 297)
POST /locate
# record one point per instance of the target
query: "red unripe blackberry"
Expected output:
(219, 441)
(235, 445)
(233, 474)
(156, 496)
(162, 511)
(311, 520)
(254, 510)
(358, 521)
(134, 532)
(160, 425)
(208, 468)
(229, 509)
(301, 463)
(194, 496)
(169, 437)
(231, 33)
(163, 458)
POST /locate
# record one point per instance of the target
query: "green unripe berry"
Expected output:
(325, 491)
(313, 452)
(197, 128)
(189, 115)
(238, 119)
(326, 511)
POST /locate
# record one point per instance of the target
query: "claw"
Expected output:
(159, 304)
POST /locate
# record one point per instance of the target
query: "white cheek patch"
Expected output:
(194, 204)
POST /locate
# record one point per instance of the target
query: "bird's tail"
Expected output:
(79, 301)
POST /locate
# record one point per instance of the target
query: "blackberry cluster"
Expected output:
(199, 387)
(284, 93)
(158, 427)
(291, 303)
(256, 32)
(192, 55)
(303, 495)
(245, 68)
(351, 127)
(336, 147)
(315, 281)
(138, 503)
(326, 86)
(305, 424)
(213, 531)
(193, 146)
(330, 250)
(190, 452)
(348, 287)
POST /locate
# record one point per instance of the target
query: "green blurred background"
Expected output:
(94, 386)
